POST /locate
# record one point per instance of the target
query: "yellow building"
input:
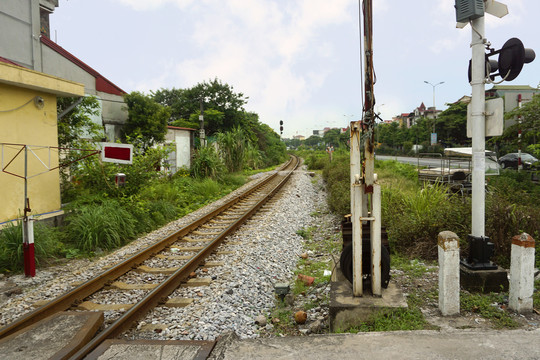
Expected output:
(28, 117)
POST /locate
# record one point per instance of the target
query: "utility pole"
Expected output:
(478, 122)
(201, 125)
(364, 186)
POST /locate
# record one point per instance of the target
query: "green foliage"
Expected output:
(47, 245)
(212, 119)
(103, 226)
(234, 180)
(451, 125)
(414, 221)
(77, 125)
(337, 177)
(96, 177)
(530, 122)
(147, 120)
(224, 114)
(232, 145)
(207, 163)
(488, 307)
(222, 106)
(511, 208)
(316, 160)
(394, 320)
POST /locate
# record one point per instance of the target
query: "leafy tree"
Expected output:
(213, 119)
(232, 146)
(313, 140)
(77, 125)
(332, 138)
(177, 100)
(269, 143)
(147, 120)
(530, 123)
(76, 130)
(451, 125)
(217, 98)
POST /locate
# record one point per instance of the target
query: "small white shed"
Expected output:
(182, 140)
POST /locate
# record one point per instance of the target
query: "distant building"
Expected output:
(318, 133)
(299, 137)
(510, 94)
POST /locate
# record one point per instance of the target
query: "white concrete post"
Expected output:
(376, 241)
(522, 273)
(356, 207)
(448, 244)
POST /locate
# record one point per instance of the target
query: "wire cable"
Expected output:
(20, 107)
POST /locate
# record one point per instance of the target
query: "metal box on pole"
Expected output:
(467, 10)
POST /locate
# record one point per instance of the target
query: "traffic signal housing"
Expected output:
(281, 127)
(512, 56)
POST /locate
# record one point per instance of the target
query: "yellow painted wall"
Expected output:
(24, 122)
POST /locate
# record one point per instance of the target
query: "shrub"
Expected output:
(413, 222)
(104, 226)
(207, 163)
(46, 245)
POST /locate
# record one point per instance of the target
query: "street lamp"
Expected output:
(434, 111)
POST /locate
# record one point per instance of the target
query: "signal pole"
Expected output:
(478, 122)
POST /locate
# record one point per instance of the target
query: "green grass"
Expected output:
(106, 227)
(413, 268)
(487, 306)
(47, 246)
(394, 320)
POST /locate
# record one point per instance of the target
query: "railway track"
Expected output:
(177, 256)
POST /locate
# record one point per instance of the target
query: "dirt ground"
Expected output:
(426, 287)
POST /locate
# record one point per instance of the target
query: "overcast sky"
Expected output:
(297, 60)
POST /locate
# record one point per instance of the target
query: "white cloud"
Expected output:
(144, 5)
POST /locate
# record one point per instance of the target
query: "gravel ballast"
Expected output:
(263, 252)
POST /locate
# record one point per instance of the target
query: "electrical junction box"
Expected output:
(467, 10)
(120, 179)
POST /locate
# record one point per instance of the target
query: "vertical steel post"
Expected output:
(371, 189)
(27, 227)
(356, 207)
(376, 241)
(478, 126)
(520, 163)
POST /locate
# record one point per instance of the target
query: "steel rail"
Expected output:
(160, 293)
(76, 295)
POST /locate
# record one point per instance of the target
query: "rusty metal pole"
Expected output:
(356, 207)
(369, 152)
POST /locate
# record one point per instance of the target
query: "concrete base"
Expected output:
(484, 281)
(347, 311)
(56, 337)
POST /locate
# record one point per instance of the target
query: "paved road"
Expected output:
(492, 168)
(423, 161)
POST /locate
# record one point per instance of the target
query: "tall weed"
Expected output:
(104, 227)
(207, 163)
(47, 245)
